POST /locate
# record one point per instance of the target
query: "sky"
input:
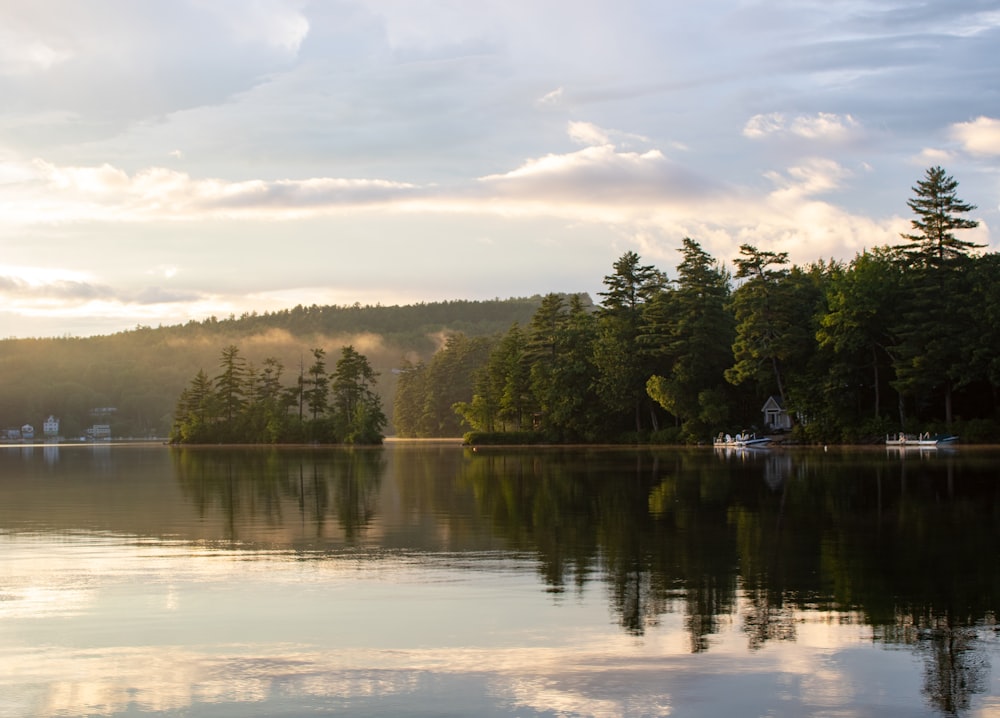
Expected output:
(171, 160)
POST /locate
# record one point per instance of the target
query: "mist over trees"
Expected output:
(140, 373)
(246, 405)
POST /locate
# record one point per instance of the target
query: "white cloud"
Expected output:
(44, 193)
(979, 137)
(932, 156)
(824, 126)
(760, 126)
(641, 194)
(815, 176)
(552, 98)
(586, 133)
(20, 57)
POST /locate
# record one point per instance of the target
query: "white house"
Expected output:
(27, 432)
(99, 432)
(51, 426)
(775, 416)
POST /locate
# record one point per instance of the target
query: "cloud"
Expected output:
(598, 173)
(25, 57)
(31, 285)
(272, 22)
(823, 126)
(159, 295)
(816, 176)
(552, 98)
(637, 194)
(43, 192)
(979, 137)
(932, 156)
(587, 133)
(760, 126)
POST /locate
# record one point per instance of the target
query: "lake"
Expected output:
(428, 579)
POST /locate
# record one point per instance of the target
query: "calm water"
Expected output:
(425, 579)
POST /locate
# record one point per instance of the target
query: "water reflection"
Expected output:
(767, 546)
(248, 488)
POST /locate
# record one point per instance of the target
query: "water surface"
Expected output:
(426, 579)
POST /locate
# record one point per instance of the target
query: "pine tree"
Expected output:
(357, 407)
(930, 330)
(938, 214)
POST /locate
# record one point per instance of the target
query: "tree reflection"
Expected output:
(763, 538)
(253, 491)
(749, 539)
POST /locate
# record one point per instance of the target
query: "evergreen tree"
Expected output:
(939, 213)
(195, 414)
(358, 416)
(762, 320)
(450, 380)
(317, 385)
(408, 403)
(623, 368)
(692, 328)
(864, 300)
(932, 330)
(230, 385)
(564, 386)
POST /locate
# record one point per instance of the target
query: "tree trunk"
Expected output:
(875, 373)
(947, 404)
(777, 378)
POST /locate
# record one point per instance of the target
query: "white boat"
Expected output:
(740, 440)
(918, 440)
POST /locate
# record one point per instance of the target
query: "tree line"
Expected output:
(140, 372)
(248, 404)
(902, 337)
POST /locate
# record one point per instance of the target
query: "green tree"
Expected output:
(762, 320)
(408, 402)
(196, 411)
(936, 328)
(864, 300)
(623, 368)
(939, 213)
(358, 416)
(563, 374)
(450, 380)
(230, 384)
(317, 385)
(693, 332)
(502, 396)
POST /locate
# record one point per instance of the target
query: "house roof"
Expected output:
(773, 402)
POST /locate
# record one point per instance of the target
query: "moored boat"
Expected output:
(918, 440)
(740, 440)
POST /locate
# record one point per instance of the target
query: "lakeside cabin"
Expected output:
(776, 419)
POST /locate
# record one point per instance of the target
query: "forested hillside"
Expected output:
(141, 373)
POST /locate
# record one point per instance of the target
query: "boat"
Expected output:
(740, 440)
(918, 441)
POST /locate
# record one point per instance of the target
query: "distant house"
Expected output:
(775, 416)
(99, 432)
(51, 426)
(27, 432)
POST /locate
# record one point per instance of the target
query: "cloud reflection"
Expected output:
(112, 663)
